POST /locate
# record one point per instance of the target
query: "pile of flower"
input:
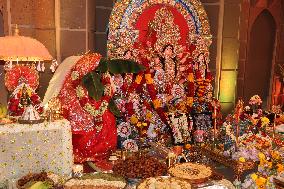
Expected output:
(229, 128)
(249, 146)
(270, 165)
(255, 100)
(255, 140)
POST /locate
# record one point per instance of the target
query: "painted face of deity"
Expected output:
(201, 59)
(168, 50)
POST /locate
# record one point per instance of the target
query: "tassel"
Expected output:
(38, 68)
(42, 67)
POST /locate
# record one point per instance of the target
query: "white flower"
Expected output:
(99, 112)
(178, 91)
(80, 91)
(75, 75)
(151, 131)
(130, 145)
(124, 129)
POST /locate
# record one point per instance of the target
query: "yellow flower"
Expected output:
(280, 168)
(190, 77)
(275, 155)
(262, 162)
(144, 124)
(149, 116)
(138, 79)
(133, 120)
(242, 159)
(187, 146)
(157, 103)
(139, 124)
(29, 91)
(260, 182)
(149, 79)
(253, 176)
(269, 164)
(189, 101)
(264, 121)
(261, 156)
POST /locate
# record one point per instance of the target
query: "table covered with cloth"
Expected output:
(34, 148)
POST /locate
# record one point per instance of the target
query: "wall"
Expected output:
(251, 10)
(65, 27)
(35, 19)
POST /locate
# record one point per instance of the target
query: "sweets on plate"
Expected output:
(140, 166)
(164, 183)
(191, 171)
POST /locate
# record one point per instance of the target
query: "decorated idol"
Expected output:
(177, 80)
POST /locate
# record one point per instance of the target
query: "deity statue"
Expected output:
(172, 81)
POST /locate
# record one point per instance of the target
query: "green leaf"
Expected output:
(103, 65)
(113, 108)
(119, 66)
(92, 82)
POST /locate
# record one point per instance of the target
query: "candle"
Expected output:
(274, 126)
(215, 122)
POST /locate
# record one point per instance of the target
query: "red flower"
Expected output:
(34, 97)
(40, 109)
(75, 83)
(129, 108)
(15, 101)
(83, 101)
(13, 108)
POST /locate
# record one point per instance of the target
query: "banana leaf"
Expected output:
(103, 66)
(119, 66)
(93, 84)
(113, 108)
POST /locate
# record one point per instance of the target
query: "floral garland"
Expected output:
(21, 74)
(202, 84)
(95, 108)
(142, 78)
(157, 103)
(15, 106)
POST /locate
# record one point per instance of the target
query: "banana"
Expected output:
(3, 111)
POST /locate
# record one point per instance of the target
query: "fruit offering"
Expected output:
(3, 111)
(41, 180)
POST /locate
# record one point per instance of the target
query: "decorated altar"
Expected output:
(29, 148)
(144, 116)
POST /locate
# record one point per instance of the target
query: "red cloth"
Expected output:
(88, 144)
(93, 146)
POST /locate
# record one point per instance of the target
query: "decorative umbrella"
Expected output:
(24, 49)
(21, 48)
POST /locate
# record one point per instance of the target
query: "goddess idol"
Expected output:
(166, 37)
